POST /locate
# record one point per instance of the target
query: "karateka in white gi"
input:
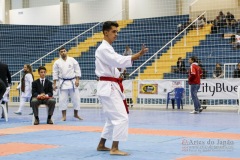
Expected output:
(26, 88)
(66, 71)
(109, 91)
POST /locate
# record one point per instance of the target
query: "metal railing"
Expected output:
(229, 69)
(171, 43)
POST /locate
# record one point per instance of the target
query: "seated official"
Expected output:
(42, 92)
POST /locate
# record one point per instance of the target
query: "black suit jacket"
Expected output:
(5, 74)
(2, 88)
(38, 89)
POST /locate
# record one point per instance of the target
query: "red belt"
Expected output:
(119, 81)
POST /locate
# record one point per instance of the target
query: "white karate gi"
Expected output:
(110, 95)
(67, 70)
(27, 94)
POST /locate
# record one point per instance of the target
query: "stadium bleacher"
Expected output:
(215, 49)
(153, 32)
(30, 46)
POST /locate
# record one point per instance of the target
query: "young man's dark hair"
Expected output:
(41, 67)
(61, 49)
(108, 25)
(194, 59)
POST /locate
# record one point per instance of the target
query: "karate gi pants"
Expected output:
(116, 126)
(63, 98)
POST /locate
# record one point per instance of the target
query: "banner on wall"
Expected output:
(88, 89)
(127, 85)
(209, 88)
(148, 89)
(158, 88)
(218, 89)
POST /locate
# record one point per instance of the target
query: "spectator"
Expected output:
(232, 39)
(236, 73)
(5, 76)
(235, 23)
(230, 19)
(125, 75)
(216, 25)
(236, 44)
(194, 82)
(218, 72)
(180, 66)
(203, 102)
(204, 18)
(199, 23)
(222, 19)
(127, 51)
(181, 27)
(26, 87)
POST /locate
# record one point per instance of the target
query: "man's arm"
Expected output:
(192, 73)
(77, 71)
(54, 85)
(55, 75)
(77, 81)
(34, 89)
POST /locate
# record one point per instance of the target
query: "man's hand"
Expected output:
(140, 53)
(77, 82)
(54, 87)
(143, 50)
(41, 96)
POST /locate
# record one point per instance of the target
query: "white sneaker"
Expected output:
(194, 112)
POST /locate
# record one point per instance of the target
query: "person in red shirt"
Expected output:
(194, 77)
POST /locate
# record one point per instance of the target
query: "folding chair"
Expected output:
(175, 95)
(5, 99)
